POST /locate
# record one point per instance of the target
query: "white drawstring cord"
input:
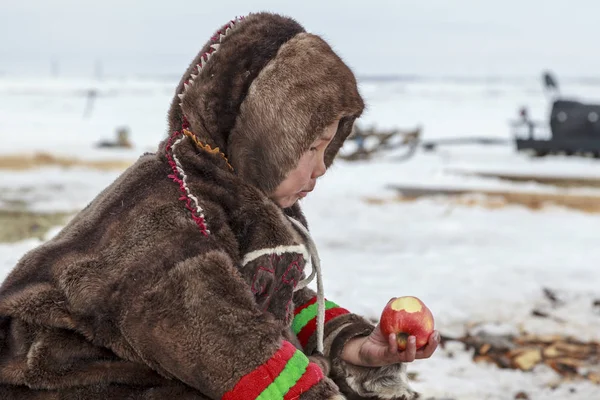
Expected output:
(316, 269)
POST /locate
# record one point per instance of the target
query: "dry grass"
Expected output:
(37, 160)
(499, 199)
(16, 225)
(16, 221)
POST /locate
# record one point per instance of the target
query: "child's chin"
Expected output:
(288, 203)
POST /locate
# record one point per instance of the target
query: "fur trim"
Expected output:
(280, 250)
(390, 382)
(302, 90)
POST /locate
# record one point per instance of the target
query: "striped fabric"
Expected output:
(305, 318)
(283, 377)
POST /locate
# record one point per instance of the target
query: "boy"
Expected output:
(185, 278)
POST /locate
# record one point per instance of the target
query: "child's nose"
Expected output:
(319, 169)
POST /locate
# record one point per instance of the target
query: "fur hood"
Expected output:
(263, 82)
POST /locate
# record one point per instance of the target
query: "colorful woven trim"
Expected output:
(178, 176)
(206, 147)
(305, 318)
(212, 49)
(285, 376)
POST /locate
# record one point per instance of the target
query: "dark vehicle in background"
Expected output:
(574, 127)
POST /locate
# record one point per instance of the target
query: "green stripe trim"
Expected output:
(293, 371)
(306, 315)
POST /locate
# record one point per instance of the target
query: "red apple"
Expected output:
(407, 316)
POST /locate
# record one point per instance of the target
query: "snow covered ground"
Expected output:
(471, 265)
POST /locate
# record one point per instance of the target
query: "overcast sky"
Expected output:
(427, 37)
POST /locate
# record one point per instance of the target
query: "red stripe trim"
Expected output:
(305, 305)
(310, 328)
(311, 377)
(254, 383)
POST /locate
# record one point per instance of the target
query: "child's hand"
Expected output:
(376, 350)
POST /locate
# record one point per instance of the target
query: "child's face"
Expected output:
(302, 179)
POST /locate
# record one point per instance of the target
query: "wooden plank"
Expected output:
(554, 180)
(568, 357)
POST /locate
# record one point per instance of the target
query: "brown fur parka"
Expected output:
(179, 280)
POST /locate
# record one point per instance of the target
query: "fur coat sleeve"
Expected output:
(341, 325)
(221, 344)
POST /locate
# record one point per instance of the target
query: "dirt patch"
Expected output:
(37, 160)
(16, 225)
(496, 199)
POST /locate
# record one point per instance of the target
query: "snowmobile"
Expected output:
(574, 127)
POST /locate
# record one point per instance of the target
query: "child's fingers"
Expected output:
(410, 352)
(430, 347)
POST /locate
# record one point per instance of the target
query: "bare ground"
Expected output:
(37, 160)
(16, 225)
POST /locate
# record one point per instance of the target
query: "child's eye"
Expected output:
(313, 149)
